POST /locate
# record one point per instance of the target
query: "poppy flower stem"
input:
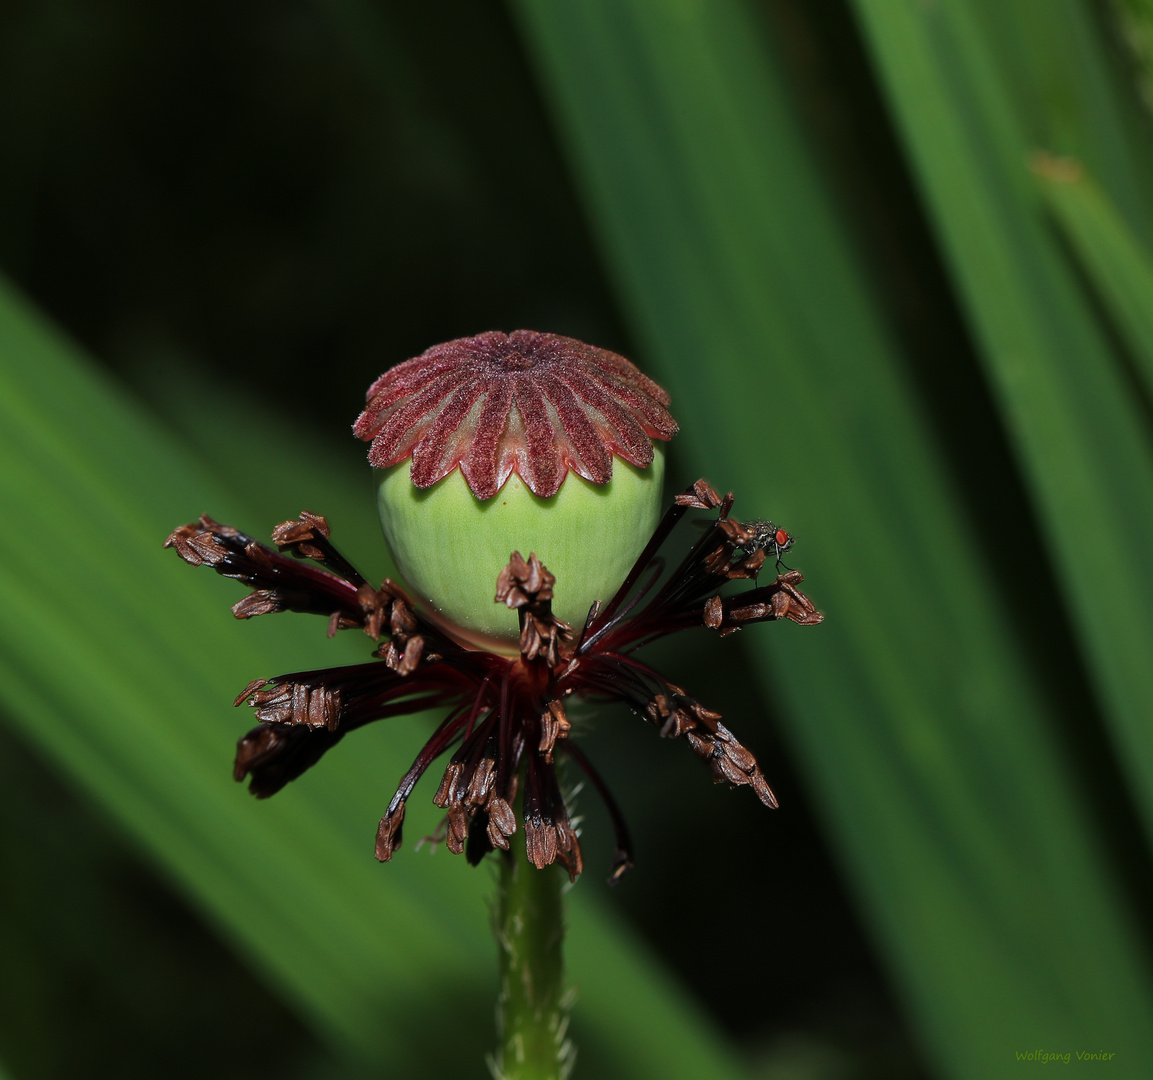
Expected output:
(532, 1011)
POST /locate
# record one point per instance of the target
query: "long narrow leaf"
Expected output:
(1082, 436)
(1119, 267)
(921, 727)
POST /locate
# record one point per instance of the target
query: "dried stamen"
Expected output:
(506, 713)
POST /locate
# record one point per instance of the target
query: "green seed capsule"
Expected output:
(449, 546)
(526, 442)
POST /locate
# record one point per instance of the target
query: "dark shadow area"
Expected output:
(107, 971)
(286, 190)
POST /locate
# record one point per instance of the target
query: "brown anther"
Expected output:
(542, 637)
(717, 560)
(540, 842)
(569, 850)
(273, 706)
(388, 835)
(725, 769)
(534, 637)
(501, 822)
(701, 496)
(377, 606)
(248, 691)
(254, 747)
(198, 545)
(481, 783)
(411, 656)
(295, 703)
(764, 792)
(678, 724)
(521, 583)
(448, 783)
(301, 535)
(190, 545)
(401, 619)
(457, 832)
(800, 609)
(260, 602)
(707, 716)
(527, 587)
(259, 554)
(702, 745)
(713, 612)
(657, 708)
(402, 658)
(553, 725)
(740, 756)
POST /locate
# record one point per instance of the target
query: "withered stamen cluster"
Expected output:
(506, 715)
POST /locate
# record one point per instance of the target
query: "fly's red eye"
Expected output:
(782, 538)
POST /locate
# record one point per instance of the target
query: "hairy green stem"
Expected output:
(532, 1013)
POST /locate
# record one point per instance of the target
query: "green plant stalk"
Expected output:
(532, 1013)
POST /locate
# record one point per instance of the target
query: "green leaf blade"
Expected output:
(944, 784)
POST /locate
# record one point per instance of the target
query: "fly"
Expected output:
(767, 538)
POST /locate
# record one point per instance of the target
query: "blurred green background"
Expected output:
(894, 261)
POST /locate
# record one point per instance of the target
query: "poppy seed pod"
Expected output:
(476, 438)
